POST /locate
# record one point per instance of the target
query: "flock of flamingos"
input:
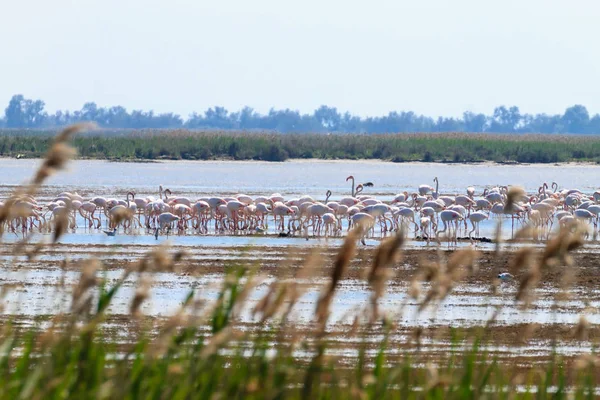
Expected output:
(428, 213)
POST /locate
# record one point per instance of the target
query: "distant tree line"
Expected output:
(27, 113)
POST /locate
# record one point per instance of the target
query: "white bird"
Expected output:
(505, 276)
(111, 233)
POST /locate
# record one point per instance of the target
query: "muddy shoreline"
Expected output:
(463, 316)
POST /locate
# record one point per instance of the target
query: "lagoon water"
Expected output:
(294, 178)
(291, 179)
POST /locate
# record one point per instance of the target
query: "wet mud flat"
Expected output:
(36, 289)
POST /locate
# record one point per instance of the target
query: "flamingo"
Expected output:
(449, 217)
(424, 189)
(426, 226)
(582, 214)
(475, 218)
(356, 191)
(330, 223)
(471, 192)
(120, 208)
(365, 221)
(406, 214)
(437, 185)
(281, 210)
(164, 221)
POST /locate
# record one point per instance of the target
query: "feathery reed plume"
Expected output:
(341, 263)
(586, 361)
(498, 237)
(514, 193)
(522, 260)
(428, 272)
(119, 215)
(385, 254)
(582, 329)
(251, 284)
(528, 332)
(225, 335)
(141, 294)
(557, 248)
(56, 158)
(61, 224)
(462, 263)
(158, 260)
(566, 283)
(528, 283)
(294, 290)
(378, 274)
(445, 277)
(272, 301)
(58, 155)
(82, 296)
(525, 233)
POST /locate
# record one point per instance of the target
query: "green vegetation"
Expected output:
(207, 145)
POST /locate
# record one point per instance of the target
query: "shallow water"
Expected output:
(38, 295)
(291, 178)
(295, 177)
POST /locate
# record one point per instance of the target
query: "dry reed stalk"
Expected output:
(379, 272)
(435, 379)
(582, 329)
(61, 224)
(224, 336)
(142, 293)
(307, 270)
(444, 277)
(82, 296)
(340, 265)
(58, 155)
(567, 281)
(557, 248)
(525, 233)
(158, 260)
(492, 319)
(498, 236)
(586, 361)
(462, 263)
(253, 282)
(56, 159)
(528, 332)
(528, 283)
(272, 302)
(514, 194)
(120, 215)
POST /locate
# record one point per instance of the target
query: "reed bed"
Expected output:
(208, 145)
(205, 351)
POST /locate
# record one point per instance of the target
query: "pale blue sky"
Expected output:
(437, 57)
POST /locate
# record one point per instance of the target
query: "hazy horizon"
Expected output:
(434, 58)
